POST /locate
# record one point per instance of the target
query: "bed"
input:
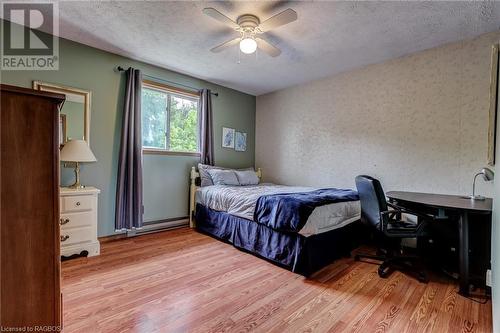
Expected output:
(260, 220)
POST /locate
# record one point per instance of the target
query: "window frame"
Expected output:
(179, 93)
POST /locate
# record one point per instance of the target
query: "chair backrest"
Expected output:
(372, 198)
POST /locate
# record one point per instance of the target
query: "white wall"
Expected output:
(417, 123)
(495, 242)
(495, 252)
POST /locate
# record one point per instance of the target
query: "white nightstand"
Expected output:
(78, 220)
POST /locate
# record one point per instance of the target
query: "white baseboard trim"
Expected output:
(161, 225)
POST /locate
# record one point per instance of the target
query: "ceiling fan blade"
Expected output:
(215, 14)
(225, 45)
(285, 17)
(267, 47)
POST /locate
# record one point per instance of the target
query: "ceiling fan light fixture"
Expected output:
(250, 27)
(248, 45)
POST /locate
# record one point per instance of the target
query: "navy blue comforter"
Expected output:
(289, 212)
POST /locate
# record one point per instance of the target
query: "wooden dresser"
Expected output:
(29, 226)
(79, 221)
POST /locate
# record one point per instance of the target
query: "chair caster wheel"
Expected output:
(383, 272)
(422, 277)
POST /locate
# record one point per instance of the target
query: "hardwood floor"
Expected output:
(183, 281)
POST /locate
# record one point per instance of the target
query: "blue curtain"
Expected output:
(129, 208)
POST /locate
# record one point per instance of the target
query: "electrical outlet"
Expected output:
(488, 277)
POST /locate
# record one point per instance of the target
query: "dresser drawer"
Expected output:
(77, 235)
(74, 220)
(77, 203)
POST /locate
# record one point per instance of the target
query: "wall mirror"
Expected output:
(74, 116)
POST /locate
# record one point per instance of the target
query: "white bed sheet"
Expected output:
(241, 200)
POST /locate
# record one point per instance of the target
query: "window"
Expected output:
(169, 119)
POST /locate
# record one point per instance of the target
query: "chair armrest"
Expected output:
(391, 215)
(397, 210)
(389, 212)
(405, 210)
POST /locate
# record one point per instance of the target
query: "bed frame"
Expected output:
(194, 176)
(290, 250)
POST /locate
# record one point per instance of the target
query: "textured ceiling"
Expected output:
(327, 38)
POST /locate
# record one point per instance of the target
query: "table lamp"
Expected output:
(488, 175)
(77, 151)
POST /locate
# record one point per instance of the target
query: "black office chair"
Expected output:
(390, 229)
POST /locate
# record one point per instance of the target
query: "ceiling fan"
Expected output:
(251, 29)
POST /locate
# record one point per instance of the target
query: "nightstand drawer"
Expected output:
(76, 203)
(77, 235)
(74, 220)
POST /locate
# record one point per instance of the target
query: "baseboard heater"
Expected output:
(160, 225)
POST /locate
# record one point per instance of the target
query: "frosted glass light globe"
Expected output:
(248, 45)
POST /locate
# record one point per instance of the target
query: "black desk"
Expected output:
(445, 204)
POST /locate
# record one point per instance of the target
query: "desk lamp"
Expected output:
(488, 175)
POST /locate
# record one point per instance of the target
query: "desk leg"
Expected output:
(464, 254)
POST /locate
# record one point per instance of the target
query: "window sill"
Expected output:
(149, 151)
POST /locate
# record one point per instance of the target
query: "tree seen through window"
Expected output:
(169, 121)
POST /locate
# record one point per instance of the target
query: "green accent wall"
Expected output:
(166, 177)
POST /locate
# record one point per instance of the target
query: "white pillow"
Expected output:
(223, 177)
(247, 177)
(206, 179)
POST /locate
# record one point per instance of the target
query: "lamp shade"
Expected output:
(488, 175)
(77, 151)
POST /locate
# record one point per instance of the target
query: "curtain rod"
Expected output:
(121, 69)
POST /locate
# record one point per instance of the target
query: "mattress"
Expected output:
(240, 201)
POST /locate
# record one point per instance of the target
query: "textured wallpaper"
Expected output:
(418, 123)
